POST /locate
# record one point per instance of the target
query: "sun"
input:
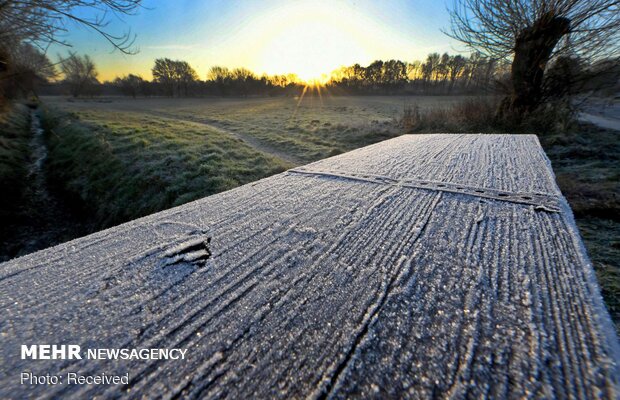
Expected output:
(311, 49)
(310, 38)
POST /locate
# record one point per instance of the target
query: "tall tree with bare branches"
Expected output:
(533, 33)
(80, 74)
(40, 23)
(173, 74)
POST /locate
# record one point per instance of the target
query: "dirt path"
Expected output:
(600, 121)
(251, 141)
(602, 112)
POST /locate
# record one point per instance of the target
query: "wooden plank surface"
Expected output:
(424, 266)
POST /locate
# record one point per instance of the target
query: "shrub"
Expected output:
(479, 115)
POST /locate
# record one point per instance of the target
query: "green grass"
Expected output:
(15, 136)
(125, 165)
(306, 130)
(586, 161)
(601, 237)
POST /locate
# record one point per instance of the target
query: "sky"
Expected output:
(307, 37)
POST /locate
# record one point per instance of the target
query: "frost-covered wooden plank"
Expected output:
(430, 265)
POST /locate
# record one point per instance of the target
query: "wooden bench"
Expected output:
(424, 266)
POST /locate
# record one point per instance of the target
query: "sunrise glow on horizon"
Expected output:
(307, 38)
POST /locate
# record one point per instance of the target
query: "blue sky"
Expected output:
(272, 36)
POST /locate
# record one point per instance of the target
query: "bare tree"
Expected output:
(534, 32)
(80, 74)
(456, 65)
(373, 74)
(414, 70)
(41, 21)
(186, 75)
(173, 75)
(429, 68)
(394, 74)
(29, 68)
(28, 58)
(164, 73)
(221, 78)
(443, 69)
(130, 85)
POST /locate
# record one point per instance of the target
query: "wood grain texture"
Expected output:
(341, 283)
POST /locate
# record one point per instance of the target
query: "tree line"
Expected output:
(438, 74)
(528, 50)
(175, 78)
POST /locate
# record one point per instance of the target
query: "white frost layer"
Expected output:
(323, 286)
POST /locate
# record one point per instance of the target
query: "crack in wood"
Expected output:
(540, 201)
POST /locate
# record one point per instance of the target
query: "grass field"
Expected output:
(586, 161)
(126, 158)
(125, 164)
(297, 132)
